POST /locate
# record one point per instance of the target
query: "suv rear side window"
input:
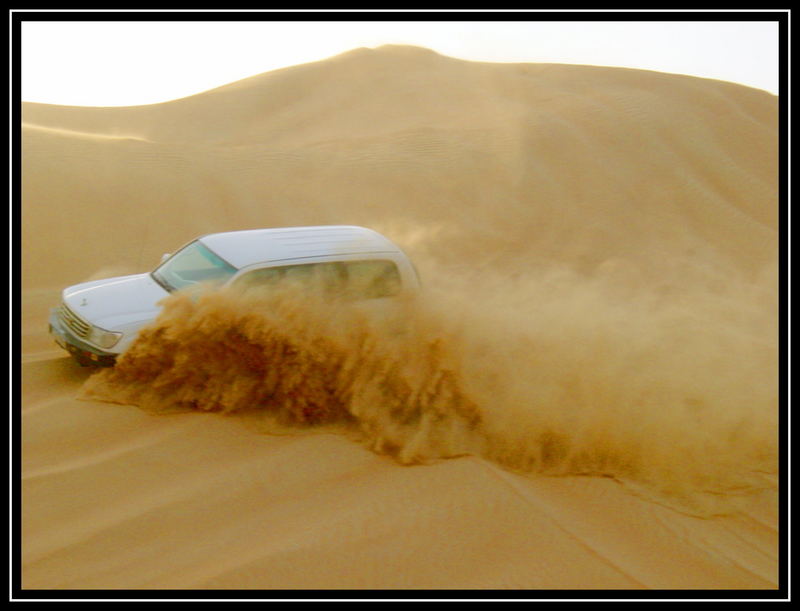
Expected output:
(368, 279)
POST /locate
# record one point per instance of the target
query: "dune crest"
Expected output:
(587, 385)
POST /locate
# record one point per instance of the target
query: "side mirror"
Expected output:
(165, 256)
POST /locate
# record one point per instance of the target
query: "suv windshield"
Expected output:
(191, 265)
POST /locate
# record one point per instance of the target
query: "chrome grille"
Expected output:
(77, 325)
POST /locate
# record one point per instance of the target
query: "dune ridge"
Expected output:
(589, 376)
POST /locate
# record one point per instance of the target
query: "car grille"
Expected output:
(75, 324)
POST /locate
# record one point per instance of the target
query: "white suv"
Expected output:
(99, 320)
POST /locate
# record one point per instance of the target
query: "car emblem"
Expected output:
(84, 302)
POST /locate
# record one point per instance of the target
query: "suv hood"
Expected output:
(115, 302)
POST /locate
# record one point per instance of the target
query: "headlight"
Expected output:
(101, 337)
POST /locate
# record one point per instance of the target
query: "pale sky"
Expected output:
(119, 63)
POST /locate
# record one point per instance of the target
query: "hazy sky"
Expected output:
(109, 63)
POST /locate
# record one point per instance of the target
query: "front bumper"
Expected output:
(84, 353)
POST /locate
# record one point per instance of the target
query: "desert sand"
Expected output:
(586, 394)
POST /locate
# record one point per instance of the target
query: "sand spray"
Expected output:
(551, 372)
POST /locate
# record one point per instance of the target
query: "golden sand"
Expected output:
(583, 396)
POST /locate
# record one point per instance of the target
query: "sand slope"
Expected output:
(599, 252)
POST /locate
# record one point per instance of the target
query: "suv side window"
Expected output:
(367, 279)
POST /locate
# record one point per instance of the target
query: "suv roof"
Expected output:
(242, 248)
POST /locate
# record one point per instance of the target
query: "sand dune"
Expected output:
(585, 394)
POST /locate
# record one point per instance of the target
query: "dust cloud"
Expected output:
(668, 388)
